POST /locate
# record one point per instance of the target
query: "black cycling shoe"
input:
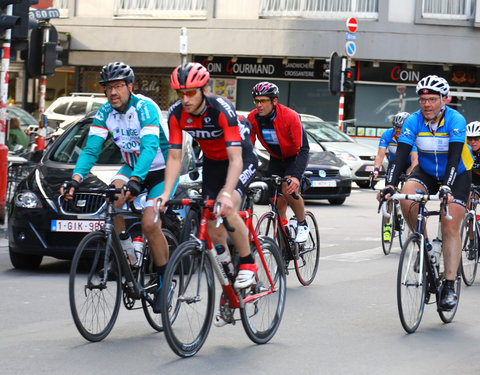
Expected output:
(157, 300)
(448, 298)
(471, 251)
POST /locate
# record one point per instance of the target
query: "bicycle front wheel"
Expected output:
(401, 227)
(149, 281)
(469, 249)
(188, 295)
(266, 227)
(261, 316)
(308, 253)
(411, 284)
(388, 229)
(95, 287)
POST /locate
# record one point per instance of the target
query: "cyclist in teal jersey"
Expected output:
(136, 125)
(444, 166)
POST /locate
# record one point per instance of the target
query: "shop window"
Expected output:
(335, 9)
(165, 9)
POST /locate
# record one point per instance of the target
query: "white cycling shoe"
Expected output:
(302, 233)
(246, 275)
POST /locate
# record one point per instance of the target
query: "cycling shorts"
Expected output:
(282, 168)
(153, 182)
(215, 175)
(460, 188)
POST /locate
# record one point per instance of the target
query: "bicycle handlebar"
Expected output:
(277, 180)
(414, 197)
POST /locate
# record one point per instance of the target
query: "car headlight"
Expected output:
(345, 171)
(27, 199)
(346, 156)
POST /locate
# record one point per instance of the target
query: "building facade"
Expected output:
(285, 41)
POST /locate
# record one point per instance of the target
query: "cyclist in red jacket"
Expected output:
(280, 131)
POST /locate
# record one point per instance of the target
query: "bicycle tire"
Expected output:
(94, 304)
(149, 281)
(187, 315)
(447, 316)
(266, 227)
(308, 254)
(410, 290)
(262, 317)
(402, 227)
(469, 262)
(387, 245)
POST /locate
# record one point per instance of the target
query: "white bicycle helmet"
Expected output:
(473, 129)
(433, 85)
(399, 119)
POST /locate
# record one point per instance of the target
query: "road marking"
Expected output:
(357, 256)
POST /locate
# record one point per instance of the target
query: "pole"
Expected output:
(341, 103)
(183, 45)
(42, 130)
(3, 117)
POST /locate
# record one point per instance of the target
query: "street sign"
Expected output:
(401, 89)
(352, 24)
(350, 36)
(45, 14)
(350, 48)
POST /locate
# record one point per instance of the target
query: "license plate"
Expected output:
(76, 225)
(369, 168)
(324, 183)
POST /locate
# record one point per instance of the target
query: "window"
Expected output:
(334, 9)
(62, 6)
(61, 109)
(448, 9)
(180, 9)
(77, 108)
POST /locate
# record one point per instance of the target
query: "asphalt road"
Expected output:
(346, 322)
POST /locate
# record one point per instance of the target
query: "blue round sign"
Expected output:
(350, 48)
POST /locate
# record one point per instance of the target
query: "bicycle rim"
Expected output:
(469, 262)
(411, 285)
(94, 298)
(188, 306)
(308, 254)
(387, 245)
(261, 317)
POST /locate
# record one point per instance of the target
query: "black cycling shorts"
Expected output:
(215, 175)
(460, 188)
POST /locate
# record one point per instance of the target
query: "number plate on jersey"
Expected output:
(324, 183)
(76, 225)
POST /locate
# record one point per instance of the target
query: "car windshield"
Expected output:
(71, 146)
(24, 117)
(325, 132)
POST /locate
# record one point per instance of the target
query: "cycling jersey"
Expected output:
(138, 131)
(282, 135)
(389, 142)
(433, 146)
(476, 169)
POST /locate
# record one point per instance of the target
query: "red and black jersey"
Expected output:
(215, 129)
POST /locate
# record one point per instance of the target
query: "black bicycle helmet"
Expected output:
(116, 71)
(265, 89)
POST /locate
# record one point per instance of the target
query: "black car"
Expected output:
(36, 226)
(330, 177)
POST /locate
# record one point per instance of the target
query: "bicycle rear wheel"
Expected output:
(447, 316)
(95, 294)
(262, 316)
(411, 285)
(387, 244)
(308, 256)
(469, 262)
(149, 281)
(188, 301)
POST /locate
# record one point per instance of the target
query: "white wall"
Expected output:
(95, 9)
(237, 9)
(401, 11)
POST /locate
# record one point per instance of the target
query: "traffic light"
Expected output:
(43, 51)
(20, 33)
(334, 73)
(7, 21)
(51, 49)
(349, 80)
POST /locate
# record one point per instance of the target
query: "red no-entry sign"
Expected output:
(352, 24)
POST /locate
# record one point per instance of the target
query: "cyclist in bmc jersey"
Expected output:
(136, 125)
(473, 139)
(229, 159)
(280, 131)
(444, 164)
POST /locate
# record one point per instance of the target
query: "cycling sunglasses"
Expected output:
(188, 93)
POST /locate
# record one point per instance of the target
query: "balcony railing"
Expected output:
(178, 9)
(326, 9)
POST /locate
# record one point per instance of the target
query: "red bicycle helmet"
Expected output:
(189, 76)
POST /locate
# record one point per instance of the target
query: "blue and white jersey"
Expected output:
(433, 147)
(389, 142)
(139, 132)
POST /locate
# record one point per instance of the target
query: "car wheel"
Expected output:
(365, 184)
(25, 261)
(336, 201)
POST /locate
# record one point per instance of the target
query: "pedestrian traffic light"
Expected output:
(7, 19)
(349, 80)
(334, 73)
(20, 33)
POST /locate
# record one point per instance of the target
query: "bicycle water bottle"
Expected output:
(437, 248)
(293, 226)
(138, 243)
(127, 246)
(226, 261)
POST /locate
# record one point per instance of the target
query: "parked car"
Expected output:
(66, 109)
(26, 119)
(358, 156)
(36, 226)
(330, 177)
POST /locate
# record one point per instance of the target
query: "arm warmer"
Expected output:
(399, 164)
(454, 155)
